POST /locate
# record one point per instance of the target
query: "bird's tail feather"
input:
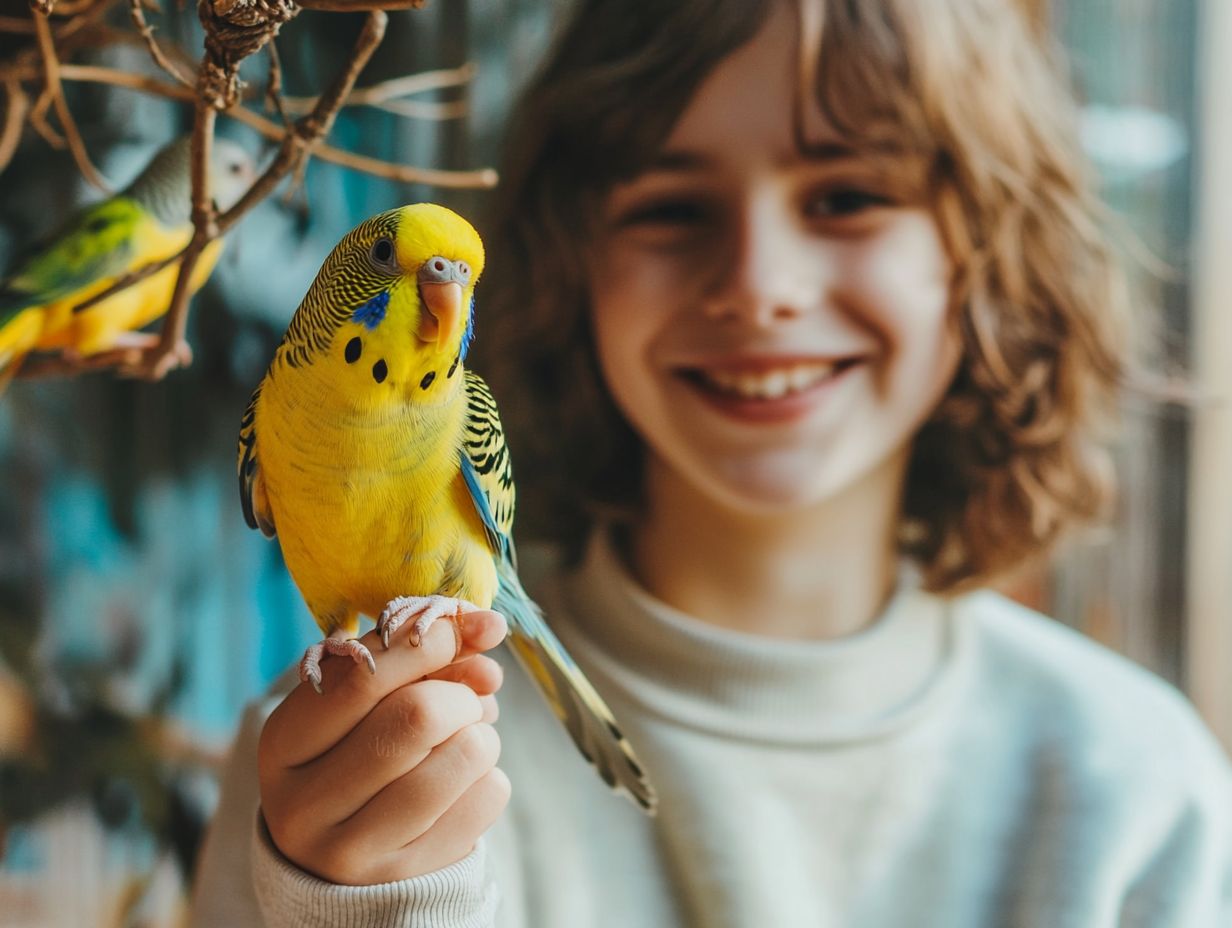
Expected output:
(582, 710)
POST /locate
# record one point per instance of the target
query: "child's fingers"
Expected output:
(454, 834)
(480, 672)
(306, 724)
(394, 738)
(482, 631)
(406, 808)
(491, 709)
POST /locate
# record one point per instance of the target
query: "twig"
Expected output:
(217, 90)
(310, 129)
(407, 174)
(51, 75)
(38, 120)
(172, 350)
(383, 95)
(16, 24)
(360, 6)
(207, 225)
(16, 105)
(273, 90)
(414, 83)
(126, 281)
(147, 32)
(73, 7)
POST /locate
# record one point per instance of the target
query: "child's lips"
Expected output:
(767, 393)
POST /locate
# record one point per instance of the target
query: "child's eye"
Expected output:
(843, 201)
(666, 213)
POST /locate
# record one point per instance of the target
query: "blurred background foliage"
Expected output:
(138, 614)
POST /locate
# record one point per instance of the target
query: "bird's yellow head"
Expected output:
(397, 295)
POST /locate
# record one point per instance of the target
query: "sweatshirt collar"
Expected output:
(749, 686)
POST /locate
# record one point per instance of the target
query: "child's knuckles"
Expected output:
(298, 826)
(477, 747)
(352, 684)
(493, 791)
(430, 714)
(337, 861)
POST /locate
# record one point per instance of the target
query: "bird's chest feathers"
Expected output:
(363, 475)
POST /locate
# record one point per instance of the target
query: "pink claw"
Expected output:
(424, 609)
(310, 664)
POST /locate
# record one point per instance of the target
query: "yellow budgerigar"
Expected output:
(379, 462)
(147, 221)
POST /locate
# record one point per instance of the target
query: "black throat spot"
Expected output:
(427, 380)
(380, 371)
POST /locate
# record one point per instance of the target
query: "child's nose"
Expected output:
(765, 273)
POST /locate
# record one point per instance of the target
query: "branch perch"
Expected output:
(51, 74)
(235, 29)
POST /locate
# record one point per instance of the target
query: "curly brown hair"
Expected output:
(1011, 455)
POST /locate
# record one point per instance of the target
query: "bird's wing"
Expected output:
(257, 512)
(100, 243)
(489, 476)
(487, 468)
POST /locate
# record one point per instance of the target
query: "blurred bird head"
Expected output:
(165, 186)
(232, 171)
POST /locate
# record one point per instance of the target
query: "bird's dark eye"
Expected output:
(382, 254)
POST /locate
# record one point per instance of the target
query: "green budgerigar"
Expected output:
(146, 222)
(379, 462)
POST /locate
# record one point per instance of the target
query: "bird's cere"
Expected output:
(771, 383)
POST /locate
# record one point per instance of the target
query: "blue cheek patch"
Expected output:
(372, 313)
(470, 331)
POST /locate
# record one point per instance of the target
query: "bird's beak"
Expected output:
(444, 304)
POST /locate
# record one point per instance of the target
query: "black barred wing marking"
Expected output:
(489, 475)
(257, 512)
(485, 449)
(345, 282)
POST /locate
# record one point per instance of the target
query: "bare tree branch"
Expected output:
(208, 225)
(14, 24)
(16, 104)
(383, 96)
(235, 29)
(407, 174)
(137, 13)
(273, 90)
(360, 6)
(51, 74)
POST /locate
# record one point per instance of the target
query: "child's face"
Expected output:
(773, 324)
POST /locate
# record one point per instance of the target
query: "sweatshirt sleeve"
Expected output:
(1187, 877)
(458, 896)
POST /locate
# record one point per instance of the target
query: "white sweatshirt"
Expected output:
(961, 763)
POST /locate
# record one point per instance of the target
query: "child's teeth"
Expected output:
(775, 385)
(770, 384)
(802, 377)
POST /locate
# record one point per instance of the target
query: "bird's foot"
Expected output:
(424, 610)
(153, 362)
(336, 643)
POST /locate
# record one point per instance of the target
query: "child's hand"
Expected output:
(393, 774)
